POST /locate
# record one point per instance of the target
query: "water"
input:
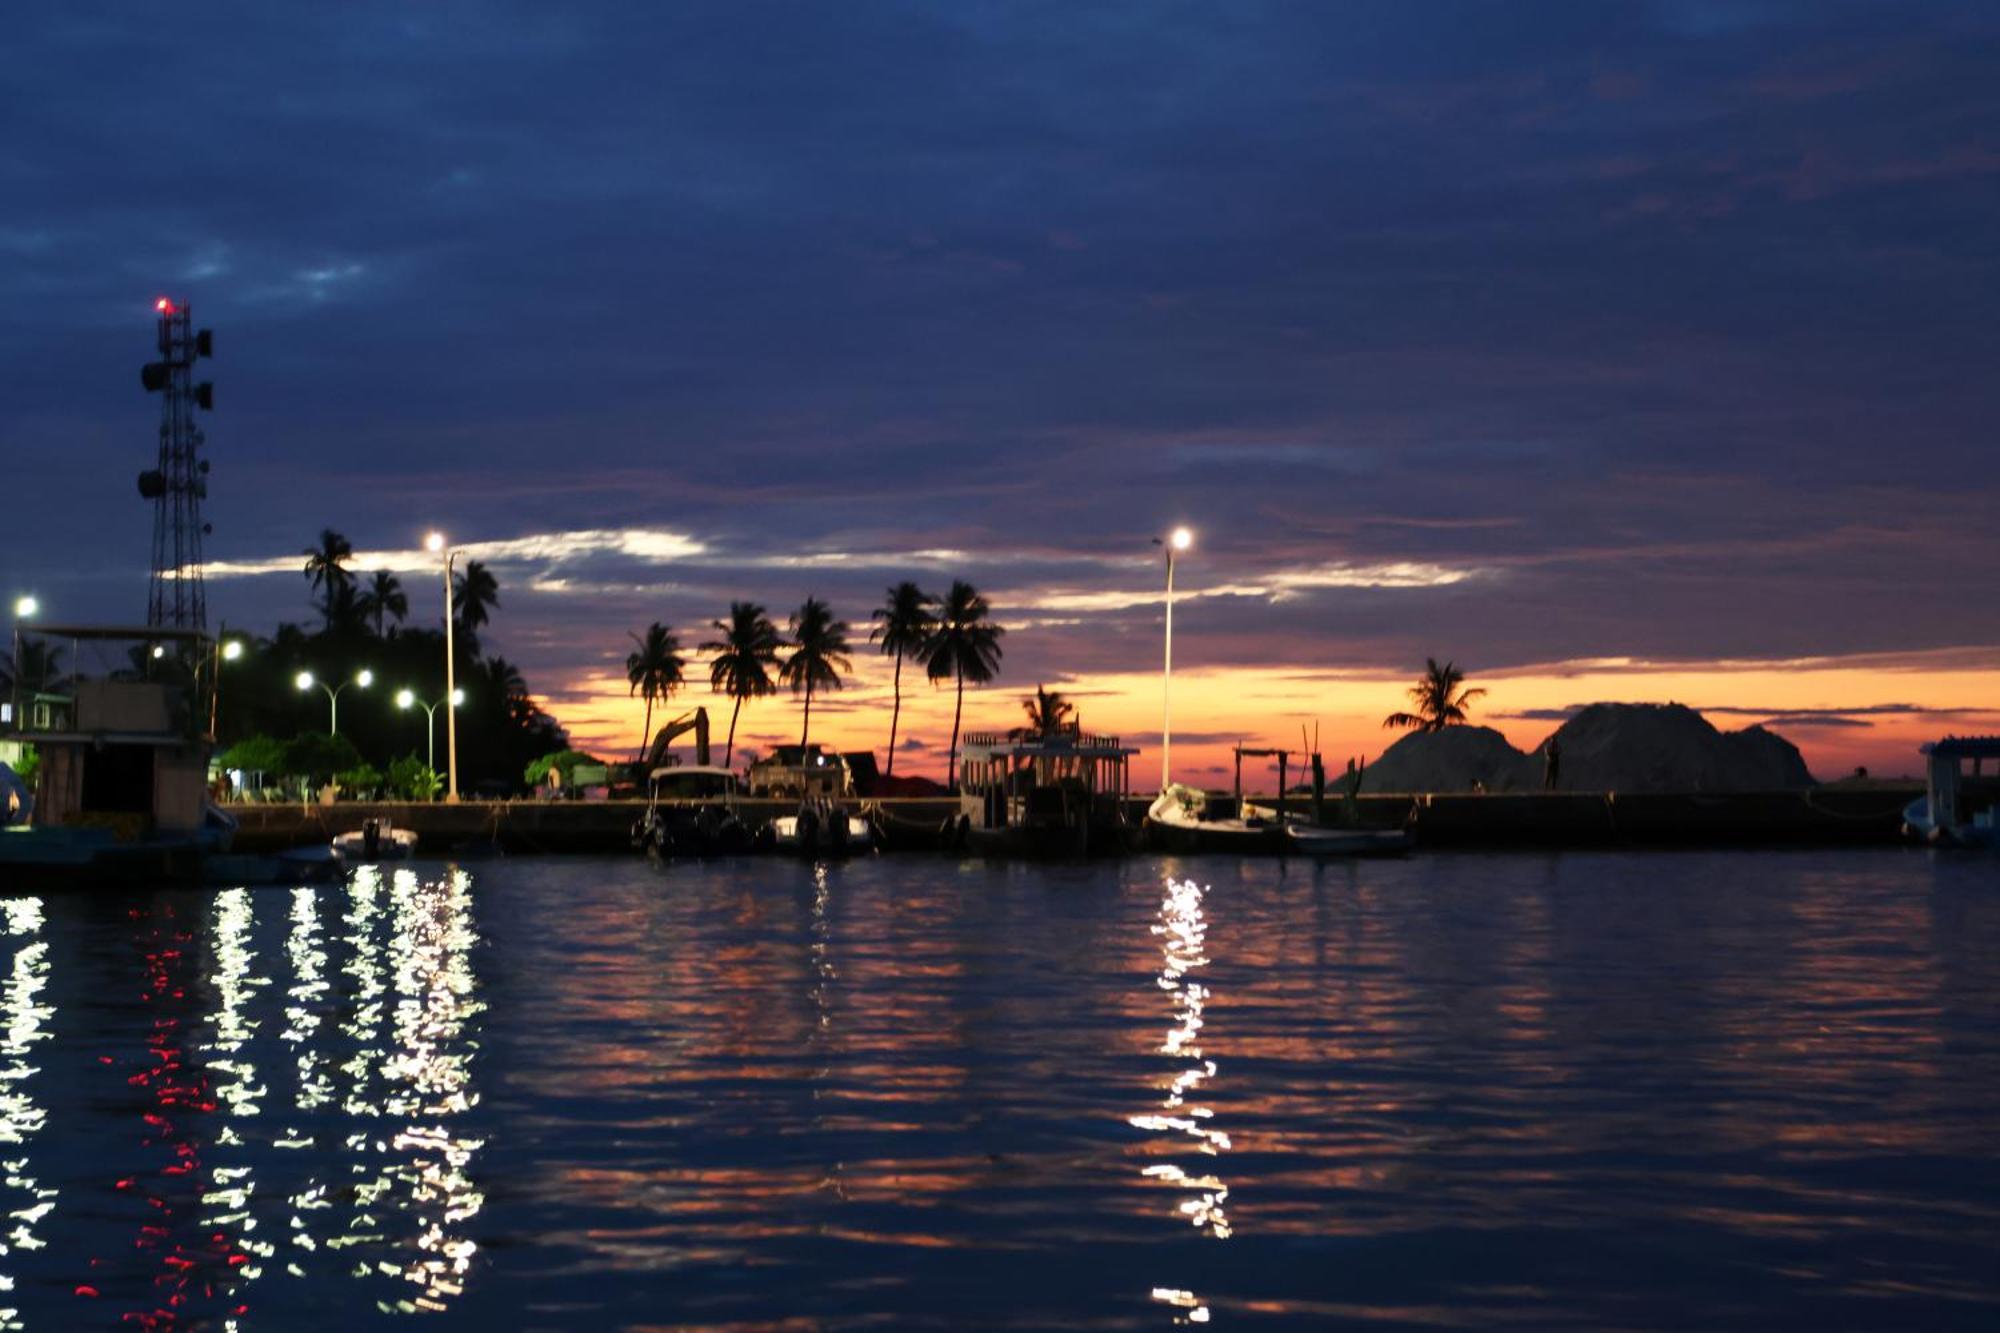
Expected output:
(1654, 1091)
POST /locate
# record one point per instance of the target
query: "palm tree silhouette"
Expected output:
(40, 667)
(655, 671)
(1440, 703)
(818, 660)
(744, 657)
(475, 593)
(966, 646)
(1048, 712)
(903, 626)
(384, 597)
(326, 568)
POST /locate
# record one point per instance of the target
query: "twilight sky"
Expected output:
(1615, 350)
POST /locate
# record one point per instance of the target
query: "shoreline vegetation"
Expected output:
(269, 723)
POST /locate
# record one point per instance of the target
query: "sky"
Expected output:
(1614, 351)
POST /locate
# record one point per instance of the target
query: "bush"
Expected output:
(411, 779)
(564, 761)
(27, 766)
(258, 754)
(360, 781)
(317, 756)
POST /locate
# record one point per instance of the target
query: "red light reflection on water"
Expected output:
(192, 1265)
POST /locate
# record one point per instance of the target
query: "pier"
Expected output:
(1543, 820)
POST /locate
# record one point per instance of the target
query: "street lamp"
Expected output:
(304, 680)
(1176, 542)
(409, 699)
(25, 608)
(435, 544)
(226, 650)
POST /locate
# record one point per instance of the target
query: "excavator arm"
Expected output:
(697, 722)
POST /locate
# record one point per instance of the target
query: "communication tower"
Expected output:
(180, 483)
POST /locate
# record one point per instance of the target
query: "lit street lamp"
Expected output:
(435, 544)
(226, 650)
(25, 608)
(409, 699)
(304, 680)
(1179, 540)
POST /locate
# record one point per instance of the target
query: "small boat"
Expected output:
(1186, 819)
(300, 865)
(1958, 809)
(821, 831)
(376, 840)
(1304, 839)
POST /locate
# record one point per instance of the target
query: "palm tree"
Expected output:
(965, 645)
(474, 593)
(40, 667)
(384, 597)
(326, 567)
(1047, 711)
(744, 657)
(655, 671)
(903, 625)
(818, 660)
(1440, 703)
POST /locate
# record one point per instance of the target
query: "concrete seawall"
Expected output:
(1819, 817)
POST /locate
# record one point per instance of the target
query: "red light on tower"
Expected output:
(164, 306)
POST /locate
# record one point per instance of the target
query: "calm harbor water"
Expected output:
(1633, 1091)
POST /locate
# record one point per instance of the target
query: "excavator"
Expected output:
(697, 722)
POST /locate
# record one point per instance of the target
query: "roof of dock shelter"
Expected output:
(1965, 747)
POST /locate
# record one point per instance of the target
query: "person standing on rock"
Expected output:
(1551, 765)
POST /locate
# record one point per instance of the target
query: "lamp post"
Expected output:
(304, 680)
(226, 650)
(435, 543)
(409, 699)
(25, 608)
(1176, 542)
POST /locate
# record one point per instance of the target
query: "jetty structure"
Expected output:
(122, 792)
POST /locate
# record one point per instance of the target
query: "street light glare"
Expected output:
(1182, 539)
(159, 651)
(232, 650)
(26, 606)
(404, 698)
(304, 680)
(434, 542)
(365, 678)
(457, 698)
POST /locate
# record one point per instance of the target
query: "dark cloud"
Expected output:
(1669, 323)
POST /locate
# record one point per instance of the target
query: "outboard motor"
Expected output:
(808, 831)
(371, 838)
(836, 832)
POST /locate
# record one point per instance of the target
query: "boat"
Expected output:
(821, 831)
(1043, 793)
(691, 812)
(123, 734)
(1303, 839)
(300, 865)
(1958, 809)
(1188, 820)
(376, 840)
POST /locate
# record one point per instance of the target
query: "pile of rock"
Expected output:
(1606, 747)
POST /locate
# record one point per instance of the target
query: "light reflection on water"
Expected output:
(1674, 1091)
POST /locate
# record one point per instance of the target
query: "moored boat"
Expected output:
(821, 831)
(1052, 792)
(376, 840)
(1958, 808)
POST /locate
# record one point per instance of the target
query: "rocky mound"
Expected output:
(1453, 760)
(1606, 747)
(1670, 747)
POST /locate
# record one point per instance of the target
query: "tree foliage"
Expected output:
(1440, 703)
